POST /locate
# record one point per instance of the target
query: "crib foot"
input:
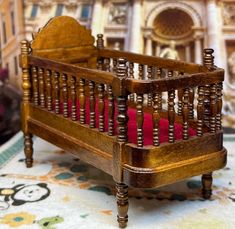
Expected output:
(28, 150)
(122, 204)
(207, 185)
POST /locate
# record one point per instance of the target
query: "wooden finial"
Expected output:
(208, 59)
(24, 47)
(100, 41)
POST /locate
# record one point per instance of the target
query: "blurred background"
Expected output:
(143, 26)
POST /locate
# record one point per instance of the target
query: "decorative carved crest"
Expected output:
(62, 32)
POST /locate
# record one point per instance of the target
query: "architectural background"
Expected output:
(142, 26)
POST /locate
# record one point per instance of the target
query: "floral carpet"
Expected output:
(62, 192)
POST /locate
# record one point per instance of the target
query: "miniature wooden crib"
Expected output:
(106, 107)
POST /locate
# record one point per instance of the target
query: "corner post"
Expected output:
(26, 86)
(210, 112)
(122, 138)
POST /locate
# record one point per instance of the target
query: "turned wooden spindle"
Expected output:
(219, 105)
(122, 120)
(41, 87)
(150, 76)
(185, 113)
(139, 120)
(100, 66)
(191, 103)
(122, 117)
(92, 104)
(101, 107)
(207, 185)
(100, 45)
(156, 119)
(107, 66)
(35, 86)
(100, 41)
(73, 93)
(82, 101)
(141, 71)
(131, 74)
(28, 149)
(110, 112)
(57, 92)
(213, 108)
(209, 116)
(211, 93)
(158, 76)
(26, 86)
(65, 95)
(200, 111)
(114, 66)
(48, 90)
(208, 61)
(180, 97)
(122, 203)
(171, 112)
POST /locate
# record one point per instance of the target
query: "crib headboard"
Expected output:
(64, 39)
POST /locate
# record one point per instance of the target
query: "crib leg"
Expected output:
(122, 204)
(28, 149)
(207, 185)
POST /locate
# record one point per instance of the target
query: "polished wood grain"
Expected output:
(63, 67)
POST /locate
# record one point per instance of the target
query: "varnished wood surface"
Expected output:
(175, 82)
(168, 174)
(167, 153)
(63, 65)
(173, 65)
(76, 146)
(90, 74)
(76, 130)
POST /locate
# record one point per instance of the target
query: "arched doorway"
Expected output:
(174, 24)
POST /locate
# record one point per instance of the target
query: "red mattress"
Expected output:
(132, 126)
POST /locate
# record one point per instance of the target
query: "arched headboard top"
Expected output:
(62, 32)
(65, 40)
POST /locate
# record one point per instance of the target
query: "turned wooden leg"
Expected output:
(122, 204)
(28, 150)
(207, 185)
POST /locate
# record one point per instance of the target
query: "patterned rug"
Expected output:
(62, 192)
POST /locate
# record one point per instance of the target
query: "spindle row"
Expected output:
(73, 97)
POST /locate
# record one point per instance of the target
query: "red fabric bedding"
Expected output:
(132, 126)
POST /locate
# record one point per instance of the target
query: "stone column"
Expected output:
(149, 50)
(198, 50)
(97, 18)
(187, 53)
(157, 49)
(213, 29)
(136, 39)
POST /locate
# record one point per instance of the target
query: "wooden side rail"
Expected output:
(174, 65)
(174, 83)
(90, 74)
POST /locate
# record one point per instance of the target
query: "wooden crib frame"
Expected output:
(61, 63)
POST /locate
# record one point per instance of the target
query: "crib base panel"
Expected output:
(171, 173)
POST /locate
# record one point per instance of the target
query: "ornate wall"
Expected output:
(11, 33)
